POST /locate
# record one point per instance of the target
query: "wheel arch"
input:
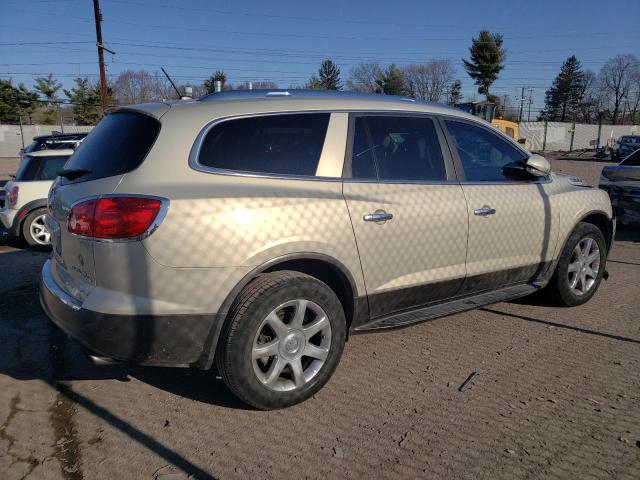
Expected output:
(601, 220)
(320, 266)
(24, 212)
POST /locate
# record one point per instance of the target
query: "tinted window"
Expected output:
(273, 144)
(362, 161)
(403, 148)
(117, 145)
(40, 168)
(632, 160)
(484, 155)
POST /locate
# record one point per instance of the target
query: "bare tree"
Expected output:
(429, 81)
(634, 96)
(616, 75)
(364, 78)
(141, 86)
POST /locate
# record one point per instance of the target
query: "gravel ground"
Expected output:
(557, 395)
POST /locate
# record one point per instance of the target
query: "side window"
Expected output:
(272, 144)
(484, 155)
(403, 148)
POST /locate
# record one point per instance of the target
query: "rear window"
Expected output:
(272, 144)
(118, 144)
(40, 168)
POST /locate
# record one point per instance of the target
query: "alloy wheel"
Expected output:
(291, 345)
(39, 232)
(584, 266)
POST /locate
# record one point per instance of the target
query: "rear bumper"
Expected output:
(162, 340)
(7, 217)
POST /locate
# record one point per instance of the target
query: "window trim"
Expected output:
(450, 171)
(491, 129)
(194, 153)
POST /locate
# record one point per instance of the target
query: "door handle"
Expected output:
(484, 211)
(377, 216)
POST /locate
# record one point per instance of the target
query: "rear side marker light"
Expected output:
(114, 217)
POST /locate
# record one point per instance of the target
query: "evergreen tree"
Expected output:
(392, 81)
(210, 83)
(329, 76)
(562, 100)
(15, 101)
(486, 60)
(48, 88)
(455, 93)
(86, 102)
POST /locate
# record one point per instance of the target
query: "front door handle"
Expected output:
(484, 211)
(377, 216)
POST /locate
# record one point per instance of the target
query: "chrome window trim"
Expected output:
(164, 209)
(195, 164)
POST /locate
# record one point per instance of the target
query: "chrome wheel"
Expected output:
(39, 232)
(291, 345)
(584, 266)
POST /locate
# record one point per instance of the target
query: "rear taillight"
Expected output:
(12, 198)
(113, 217)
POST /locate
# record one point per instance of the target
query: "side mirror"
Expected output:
(538, 166)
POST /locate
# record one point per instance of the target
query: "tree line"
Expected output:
(610, 96)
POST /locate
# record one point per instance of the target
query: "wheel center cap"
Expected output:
(292, 344)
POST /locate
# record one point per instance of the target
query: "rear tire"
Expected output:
(34, 231)
(580, 268)
(282, 340)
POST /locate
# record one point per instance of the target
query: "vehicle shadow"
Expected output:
(23, 326)
(559, 325)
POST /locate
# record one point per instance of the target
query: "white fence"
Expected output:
(557, 136)
(12, 138)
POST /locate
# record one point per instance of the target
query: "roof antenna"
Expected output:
(171, 82)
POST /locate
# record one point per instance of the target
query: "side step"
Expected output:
(443, 309)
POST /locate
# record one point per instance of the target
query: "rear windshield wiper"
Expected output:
(73, 173)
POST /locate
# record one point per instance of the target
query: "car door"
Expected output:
(407, 209)
(510, 216)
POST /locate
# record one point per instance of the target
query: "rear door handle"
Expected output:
(484, 211)
(377, 216)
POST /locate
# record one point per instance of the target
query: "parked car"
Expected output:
(622, 182)
(25, 204)
(625, 146)
(257, 230)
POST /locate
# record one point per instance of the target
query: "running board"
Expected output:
(443, 309)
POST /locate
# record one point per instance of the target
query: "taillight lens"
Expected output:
(12, 198)
(113, 217)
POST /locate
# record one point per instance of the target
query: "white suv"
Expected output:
(26, 195)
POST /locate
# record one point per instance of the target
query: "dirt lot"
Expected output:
(557, 396)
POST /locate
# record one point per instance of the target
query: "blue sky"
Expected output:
(285, 41)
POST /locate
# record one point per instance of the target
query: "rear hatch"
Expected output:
(118, 145)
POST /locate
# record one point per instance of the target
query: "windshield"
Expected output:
(40, 168)
(635, 139)
(117, 145)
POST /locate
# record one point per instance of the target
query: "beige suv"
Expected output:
(257, 230)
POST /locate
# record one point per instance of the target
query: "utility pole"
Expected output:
(530, 102)
(101, 48)
(521, 105)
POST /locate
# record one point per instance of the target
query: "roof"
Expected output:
(61, 152)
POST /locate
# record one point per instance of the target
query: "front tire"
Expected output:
(34, 230)
(580, 268)
(282, 340)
